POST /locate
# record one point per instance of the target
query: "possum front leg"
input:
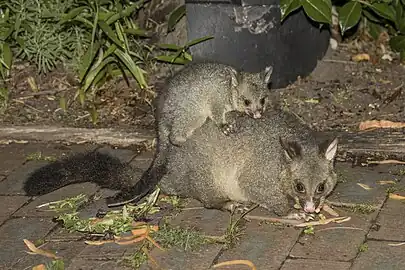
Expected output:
(219, 116)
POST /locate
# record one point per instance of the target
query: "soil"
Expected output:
(338, 95)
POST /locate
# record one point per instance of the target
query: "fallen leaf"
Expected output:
(329, 210)
(386, 182)
(39, 267)
(364, 186)
(396, 196)
(387, 161)
(380, 124)
(132, 241)
(324, 222)
(397, 244)
(234, 262)
(98, 243)
(361, 57)
(38, 251)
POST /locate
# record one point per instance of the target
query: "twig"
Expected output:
(29, 106)
(339, 61)
(397, 245)
(41, 93)
(387, 161)
(273, 219)
(339, 228)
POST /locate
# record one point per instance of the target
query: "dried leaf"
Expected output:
(132, 241)
(386, 182)
(38, 251)
(323, 222)
(396, 196)
(397, 244)
(364, 186)
(388, 161)
(98, 243)
(234, 262)
(154, 243)
(361, 57)
(39, 267)
(329, 210)
(380, 124)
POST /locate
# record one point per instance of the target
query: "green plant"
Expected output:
(109, 52)
(377, 15)
(180, 54)
(6, 56)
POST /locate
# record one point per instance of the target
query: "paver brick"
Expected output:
(65, 250)
(28, 228)
(208, 221)
(14, 183)
(380, 256)
(338, 241)
(300, 264)
(109, 251)
(176, 259)
(265, 245)
(124, 155)
(143, 161)
(85, 264)
(348, 190)
(391, 222)
(10, 204)
(30, 209)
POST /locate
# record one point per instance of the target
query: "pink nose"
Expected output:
(257, 115)
(309, 207)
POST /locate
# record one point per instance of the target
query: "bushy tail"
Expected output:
(149, 179)
(95, 167)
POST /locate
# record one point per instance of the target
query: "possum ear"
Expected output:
(266, 74)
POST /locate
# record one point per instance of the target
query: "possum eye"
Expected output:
(320, 188)
(262, 101)
(247, 102)
(300, 187)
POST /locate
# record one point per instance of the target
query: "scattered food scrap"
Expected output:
(361, 57)
(236, 262)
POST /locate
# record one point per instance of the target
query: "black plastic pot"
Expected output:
(248, 34)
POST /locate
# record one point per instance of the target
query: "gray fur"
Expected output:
(208, 90)
(260, 164)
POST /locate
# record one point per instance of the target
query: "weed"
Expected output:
(309, 230)
(186, 239)
(363, 247)
(136, 260)
(38, 157)
(175, 201)
(362, 208)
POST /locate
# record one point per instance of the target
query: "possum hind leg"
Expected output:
(182, 129)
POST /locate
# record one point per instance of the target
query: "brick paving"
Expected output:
(361, 243)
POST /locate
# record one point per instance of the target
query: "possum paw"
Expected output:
(229, 128)
(237, 208)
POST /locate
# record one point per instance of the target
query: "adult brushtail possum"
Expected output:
(273, 161)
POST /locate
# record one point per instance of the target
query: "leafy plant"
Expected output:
(376, 14)
(6, 56)
(180, 54)
(109, 52)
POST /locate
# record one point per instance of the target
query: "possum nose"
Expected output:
(257, 115)
(309, 207)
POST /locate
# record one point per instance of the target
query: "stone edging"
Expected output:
(109, 136)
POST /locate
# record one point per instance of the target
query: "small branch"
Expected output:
(41, 93)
